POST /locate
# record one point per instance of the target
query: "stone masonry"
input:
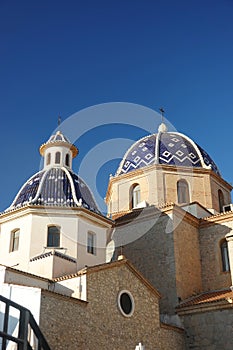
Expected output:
(99, 324)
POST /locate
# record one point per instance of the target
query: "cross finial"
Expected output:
(59, 120)
(162, 114)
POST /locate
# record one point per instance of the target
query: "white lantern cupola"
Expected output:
(58, 151)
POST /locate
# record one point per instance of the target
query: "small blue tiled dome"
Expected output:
(55, 187)
(170, 148)
(56, 184)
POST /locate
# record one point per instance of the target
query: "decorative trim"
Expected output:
(53, 253)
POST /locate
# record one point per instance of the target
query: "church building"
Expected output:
(154, 273)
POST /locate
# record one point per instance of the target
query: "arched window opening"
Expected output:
(53, 237)
(48, 159)
(135, 196)
(225, 256)
(57, 158)
(183, 192)
(14, 244)
(67, 160)
(220, 201)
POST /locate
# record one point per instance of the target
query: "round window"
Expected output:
(126, 303)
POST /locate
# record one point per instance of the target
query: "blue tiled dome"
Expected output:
(170, 148)
(55, 187)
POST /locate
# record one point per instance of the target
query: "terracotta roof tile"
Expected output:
(208, 297)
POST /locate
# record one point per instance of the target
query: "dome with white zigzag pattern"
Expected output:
(170, 148)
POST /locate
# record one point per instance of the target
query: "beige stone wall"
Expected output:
(187, 257)
(119, 195)
(99, 324)
(124, 332)
(212, 275)
(229, 239)
(151, 251)
(63, 321)
(209, 330)
(215, 186)
(159, 184)
(203, 186)
(175, 336)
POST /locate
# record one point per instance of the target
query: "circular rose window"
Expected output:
(126, 303)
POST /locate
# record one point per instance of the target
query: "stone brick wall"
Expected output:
(99, 324)
(219, 185)
(142, 326)
(187, 257)
(210, 330)
(158, 184)
(212, 275)
(175, 336)
(168, 254)
(152, 253)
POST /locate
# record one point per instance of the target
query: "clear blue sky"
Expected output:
(58, 57)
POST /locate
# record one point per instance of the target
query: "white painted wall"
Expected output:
(33, 223)
(28, 297)
(78, 286)
(63, 151)
(85, 258)
(21, 256)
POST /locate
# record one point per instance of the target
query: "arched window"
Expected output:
(135, 196)
(225, 256)
(57, 158)
(91, 243)
(14, 244)
(183, 192)
(220, 200)
(53, 237)
(67, 160)
(48, 159)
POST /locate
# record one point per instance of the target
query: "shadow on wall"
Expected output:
(145, 237)
(179, 259)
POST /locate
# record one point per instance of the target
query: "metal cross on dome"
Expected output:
(59, 120)
(162, 114)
